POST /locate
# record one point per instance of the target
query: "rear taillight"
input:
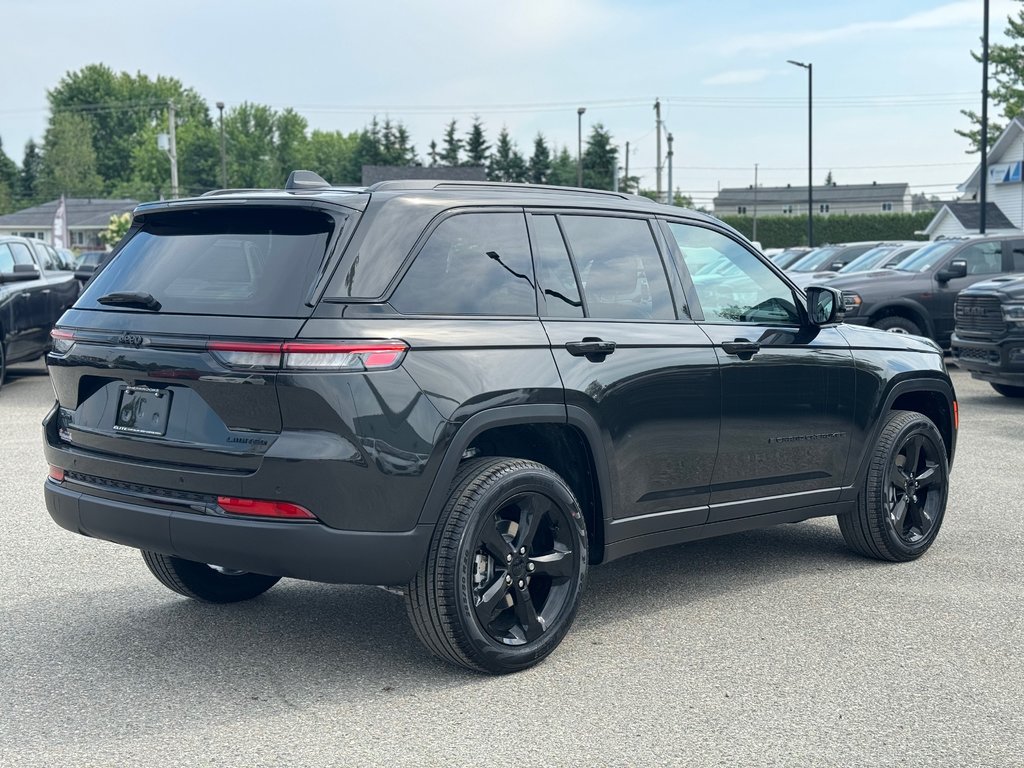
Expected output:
(63, 341)
(56, 474)
(310, 356)
(281, 510)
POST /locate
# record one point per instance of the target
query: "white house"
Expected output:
(1004, 192)
(86, 219)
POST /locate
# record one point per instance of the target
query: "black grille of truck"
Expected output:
(979, 315)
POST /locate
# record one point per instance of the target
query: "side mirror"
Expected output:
(20, 274)
(955, 268)
(825, 305)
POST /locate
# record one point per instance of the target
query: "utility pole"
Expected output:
(754, 235)
(657, 126)
(983, 192)
(670, 200)
(172, 150)
(810, 144)
(223, 153)
(627, 167)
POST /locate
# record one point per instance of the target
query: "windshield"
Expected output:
(869, 259)
(252, 262)
(814, 260)
(927, 257)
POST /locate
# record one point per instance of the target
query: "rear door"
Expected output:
(171, 353)
(28, 313)
(787, 387)
(642, 373)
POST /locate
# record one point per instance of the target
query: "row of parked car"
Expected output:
(37, 283)
(965, 293)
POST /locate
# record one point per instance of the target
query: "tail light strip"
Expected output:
(310, 356)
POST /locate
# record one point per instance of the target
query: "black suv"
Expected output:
(474, 392)
(916, 296)
(989, 337)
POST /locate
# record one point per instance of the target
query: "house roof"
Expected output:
(83, 213)
(833, 193)
(374, 173)
(1006, 138)
(969, 216)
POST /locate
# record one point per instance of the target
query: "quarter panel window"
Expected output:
(733, 285)
(554, 270)
(21, 254)
(620, 268)
(472, 264)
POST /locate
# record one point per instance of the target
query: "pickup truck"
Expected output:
(35, 290)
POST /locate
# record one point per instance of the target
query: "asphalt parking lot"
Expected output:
(775, 647)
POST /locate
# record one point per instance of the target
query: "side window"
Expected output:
(472, 264)
(21, 254)
(1017, 255)
(733, 285)
(45, 261)
(620, 268)
(554, 270)
(982, 258)
(6, 258)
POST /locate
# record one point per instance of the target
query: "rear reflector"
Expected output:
(310, 356)
(63, 341)
(56, 474)
(281, 510)
(956, 415)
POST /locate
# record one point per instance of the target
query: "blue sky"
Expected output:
(889, 77)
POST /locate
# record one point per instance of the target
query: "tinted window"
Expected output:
(817, 259)
(257, 261)
(619, 266)
(743, 289)
(472, 264)
(554, 271)
(1017, 251)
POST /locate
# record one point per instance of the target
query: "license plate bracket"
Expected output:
(143, 411)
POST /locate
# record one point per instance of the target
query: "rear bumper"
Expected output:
(990, 360)
(297, 550)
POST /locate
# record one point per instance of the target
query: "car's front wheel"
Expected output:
(1007, 390)
(897, 324)
(903, 499)
(504, 575)
(209, 583)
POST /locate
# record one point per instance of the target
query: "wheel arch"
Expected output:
(906, 308)
(569, 445)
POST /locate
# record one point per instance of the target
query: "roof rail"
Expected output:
(414, 184)
(215, 192)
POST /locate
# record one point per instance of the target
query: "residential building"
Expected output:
(831, 198)
(86, 218)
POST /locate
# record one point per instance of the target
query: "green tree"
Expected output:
(432, 154)
(829, 181)
(539, 167)
(683, 201)
(330, 154)
(506, 163)
(69, 160)
(631, 184)
(252, 160)
(452, 146)
(117, 228)
(9, 182)
(395, 148)
(563, 169)
(291, 145)
(31, 173)
(600, 159)
(1006, 69)
(477, 148)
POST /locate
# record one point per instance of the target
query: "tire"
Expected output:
(899, 512)
(206, 582)
(505, 572)
(3, 361)
(1007, 390)
(897, 324)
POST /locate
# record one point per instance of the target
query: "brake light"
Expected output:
(56, 474)
(282, 510)
(63, 341)
(310, 356)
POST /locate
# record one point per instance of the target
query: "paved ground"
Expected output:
(768, 648)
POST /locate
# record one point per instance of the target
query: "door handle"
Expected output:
(742, 348)
(590, 347)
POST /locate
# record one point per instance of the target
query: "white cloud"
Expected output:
(737, 77)
(962, 13)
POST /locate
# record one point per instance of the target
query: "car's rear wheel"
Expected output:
(1007, 390)
(3, 361)
(897, 324)
(209, 583)
(505, 571)
(903, 499)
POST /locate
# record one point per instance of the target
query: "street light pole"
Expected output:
(810, 144)
(223, 154)
(579, 146)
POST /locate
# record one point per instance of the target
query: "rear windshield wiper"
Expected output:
(136, 299)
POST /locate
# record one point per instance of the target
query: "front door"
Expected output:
(787, 386)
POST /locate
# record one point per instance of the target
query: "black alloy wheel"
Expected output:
(903, 499)
(504, 575)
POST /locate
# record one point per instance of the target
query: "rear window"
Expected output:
(248, 262)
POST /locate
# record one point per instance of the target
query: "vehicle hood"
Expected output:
(1007, 287)
(877, 278)
(807, 279)
(873, 338)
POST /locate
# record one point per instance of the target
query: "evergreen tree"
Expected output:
(600, 159)
(330, 155)
(477, 147)
(31, 173)
(563, 169)
(828, 179)
(539, 168)
(9, 181)
(69, 160)
(452, 146)
(1006, 68)
(432, 154)
(506, 163)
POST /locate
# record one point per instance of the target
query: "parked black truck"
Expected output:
(989, 337)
